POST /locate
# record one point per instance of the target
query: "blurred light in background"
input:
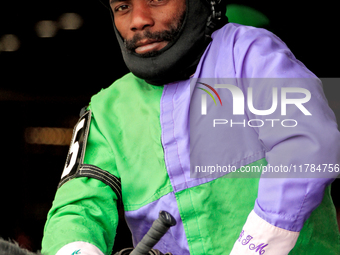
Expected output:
(43, 29)
(46, 28)
(67, 21)
(9, 42)
(48, 135)
(70, 21)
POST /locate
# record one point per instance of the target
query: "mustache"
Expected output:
(168, 35)
(165, 35)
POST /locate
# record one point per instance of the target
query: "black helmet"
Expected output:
(179, 59)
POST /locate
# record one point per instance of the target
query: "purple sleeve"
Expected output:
(288, 200)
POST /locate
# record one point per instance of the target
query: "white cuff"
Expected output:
(79, 248)
(259, 237)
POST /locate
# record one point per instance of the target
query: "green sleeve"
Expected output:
(85, 209)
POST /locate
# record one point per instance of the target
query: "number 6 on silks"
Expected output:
(76, 152)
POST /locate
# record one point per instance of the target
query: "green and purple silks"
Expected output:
(151, 137)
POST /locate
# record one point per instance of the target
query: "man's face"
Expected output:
(148, 25)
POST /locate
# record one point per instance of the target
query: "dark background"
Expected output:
(47, 81)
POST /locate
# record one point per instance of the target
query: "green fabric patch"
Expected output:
(245, 15)
(211, 220)
(320, 234)
(83, 209)
(130, 139)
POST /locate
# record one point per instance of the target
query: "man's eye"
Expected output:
(157, 1)
(121, 8)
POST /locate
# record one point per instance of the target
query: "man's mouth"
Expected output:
(146, 46)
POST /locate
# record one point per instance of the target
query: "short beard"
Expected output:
(165, 35)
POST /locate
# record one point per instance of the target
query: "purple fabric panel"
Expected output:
(315, 141)
(175, 135)
(176, 161)
(283, 202)
(174, 118)
(140, 221)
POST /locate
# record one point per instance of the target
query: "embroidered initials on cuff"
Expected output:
(79, 248)
(259, 237)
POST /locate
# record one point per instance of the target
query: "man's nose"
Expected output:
(141, 17)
